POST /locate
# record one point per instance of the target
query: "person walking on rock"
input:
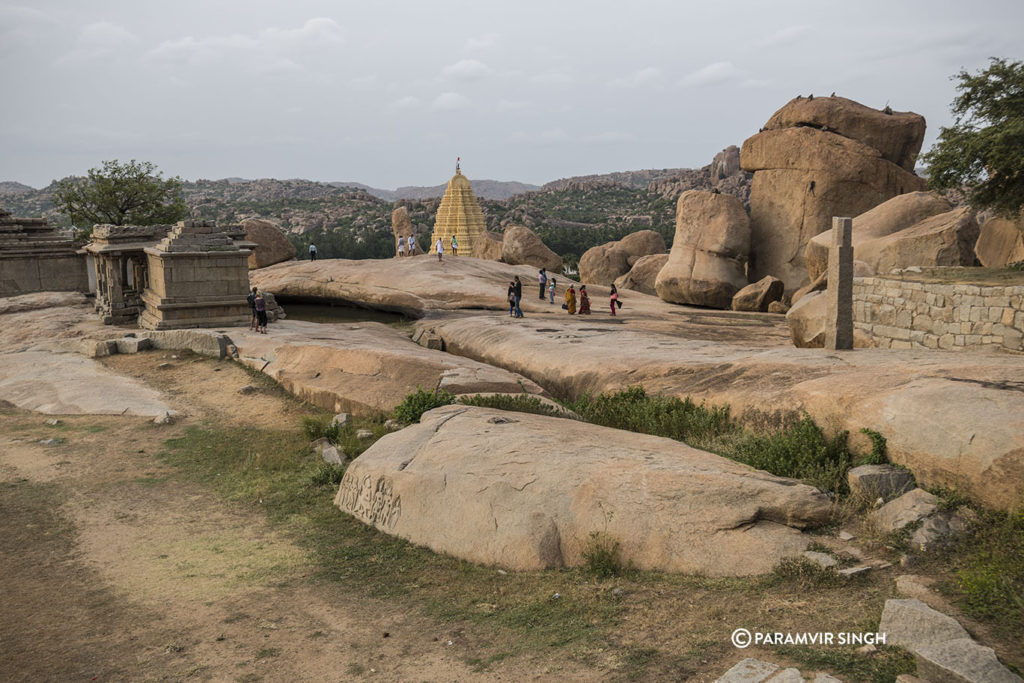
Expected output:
(401, 246)
(543, 280)
(613, 299)
(518, 291)
(312, 252)
(570, 300)
(584, 301)
(440, 249)
(511, 298)
(455, 246)
(551, 289)
(412, 245)
(261, 313)
(251, 300)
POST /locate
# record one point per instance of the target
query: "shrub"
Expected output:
(989, 567)
(601, 555)
(878, 454)
(320, 426)
(415, 404)
(522, 403)
(327, 475)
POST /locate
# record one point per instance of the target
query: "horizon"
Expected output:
(390, 96)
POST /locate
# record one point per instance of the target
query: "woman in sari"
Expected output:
(584, 301)
(570, 300)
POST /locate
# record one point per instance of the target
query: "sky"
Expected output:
(390, 93)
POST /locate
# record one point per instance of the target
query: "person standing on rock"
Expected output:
(543, 280)
(511, 298)
(518, 291)
(570, 300)
(251, 299)
(584, 301)
(440, 249)
(401, 246)
(613, 298)
(455, 246)
(412, 245)
(312, 252)
(261, 313)
(551, 289)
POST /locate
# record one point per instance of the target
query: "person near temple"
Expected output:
(551, 289)
(584, 301)
(512, 298)
(312, 252)
(455, 246)
(570, 300)
(261, 313)
(251, 300)
(613, 299)
(401, 246)
(518, 291)
(543, 280)
(412, 245)
(440, 249)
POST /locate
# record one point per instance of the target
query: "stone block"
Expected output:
(909, 508)
(133, 344)
(912, 625)
(879, 481)
(749, 670)
(961, 660)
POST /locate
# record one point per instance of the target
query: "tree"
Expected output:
(121, 194)
(984, 149)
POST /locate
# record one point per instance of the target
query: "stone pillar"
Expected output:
(839, 324)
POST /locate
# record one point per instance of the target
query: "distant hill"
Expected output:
(632, 179)
(8, 187)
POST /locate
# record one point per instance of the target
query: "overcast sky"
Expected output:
(389, 93)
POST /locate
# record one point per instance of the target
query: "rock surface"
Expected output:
(1000, 242)
(605, 263)
(273, 246)
(897, 214)
(528, 491)
(803, 177)
(707, 263)
(757, 296)
(911, 624)
(488, 245)
(962, 660)
(872, 482)
(806, 320)
(520, 246)
(909, 508)
(946, 239)
(642, 276)
(725, 163)
(401, 224)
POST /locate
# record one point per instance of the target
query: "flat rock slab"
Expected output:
(962, 661)
(364, 368)
(527, 492)
(911, 624)
(952, 418)
(70, 384)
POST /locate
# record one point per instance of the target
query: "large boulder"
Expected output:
(944, 240)
(1000, 242)
(603, 264)
(521, 246)
(757, 296)
(897, 214)
(530, 492)
(272, 245)
(897, 135)
(642, 275)
(806, 320)
(707, 264)
(725, 163)
(487, 245)
(803, 177)
(401, 224)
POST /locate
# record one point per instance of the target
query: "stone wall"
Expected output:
(45, 273)
(902, 314)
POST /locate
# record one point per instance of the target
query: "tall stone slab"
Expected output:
(839, 331)
(459, 214)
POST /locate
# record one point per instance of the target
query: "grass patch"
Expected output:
(521, 403)
(805, 574)
(601, 556)
(881, 667)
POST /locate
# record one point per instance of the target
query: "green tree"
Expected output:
(133, 193)
(984, 149)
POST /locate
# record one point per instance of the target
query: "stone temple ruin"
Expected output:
(117, 259)
(34, 257)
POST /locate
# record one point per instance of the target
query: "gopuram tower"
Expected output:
(459, 214)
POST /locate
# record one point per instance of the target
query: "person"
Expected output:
(613, 298)
(543, 280)
(551, 289)
(412, 245)
(312, 252)
(570, 300)
(261, 313)
(401, 246)
(455, 246)
(251, 299)
(518, 291)
(440, 249)
(511, 298)
(584, 301)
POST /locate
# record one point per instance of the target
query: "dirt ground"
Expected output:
(114, 570)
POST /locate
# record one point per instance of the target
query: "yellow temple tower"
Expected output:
(459, 214)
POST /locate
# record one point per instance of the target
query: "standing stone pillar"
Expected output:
(839, 325)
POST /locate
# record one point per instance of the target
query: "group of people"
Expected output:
(548, 285)
(258, 308)
(407, 243)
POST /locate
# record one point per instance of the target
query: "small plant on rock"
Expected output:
(415, 404)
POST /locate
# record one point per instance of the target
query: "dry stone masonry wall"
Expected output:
(902, 314)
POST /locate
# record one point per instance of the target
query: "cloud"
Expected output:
(609, 137)
(482, 42)
(98, 40)
(785, 36)
(648, 76)
(449, 101)
(407, 102)
(320, 30)
(511, 105)
(466, 70)
(550, 135)
(712, 74)
(551, 78)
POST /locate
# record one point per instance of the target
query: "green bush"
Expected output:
(327, 475)
(415, 404)
(989, 566)
(878, 454)
(601, 556)
(521, 403)
(320, 426)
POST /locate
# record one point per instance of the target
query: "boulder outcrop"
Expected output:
(603, 264)
(806, 320)
(889, 217)
(816, 160)
(725, 163)
(1000, 242)
(944, 240)
(521, 246)
(272, 245)
(707, 263)
(757, 296)
(401, 224)
(488, 245)
(643, 274)
(530, 492)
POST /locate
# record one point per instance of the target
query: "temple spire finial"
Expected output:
(457, 160)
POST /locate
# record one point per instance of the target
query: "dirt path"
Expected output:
(114, 569)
